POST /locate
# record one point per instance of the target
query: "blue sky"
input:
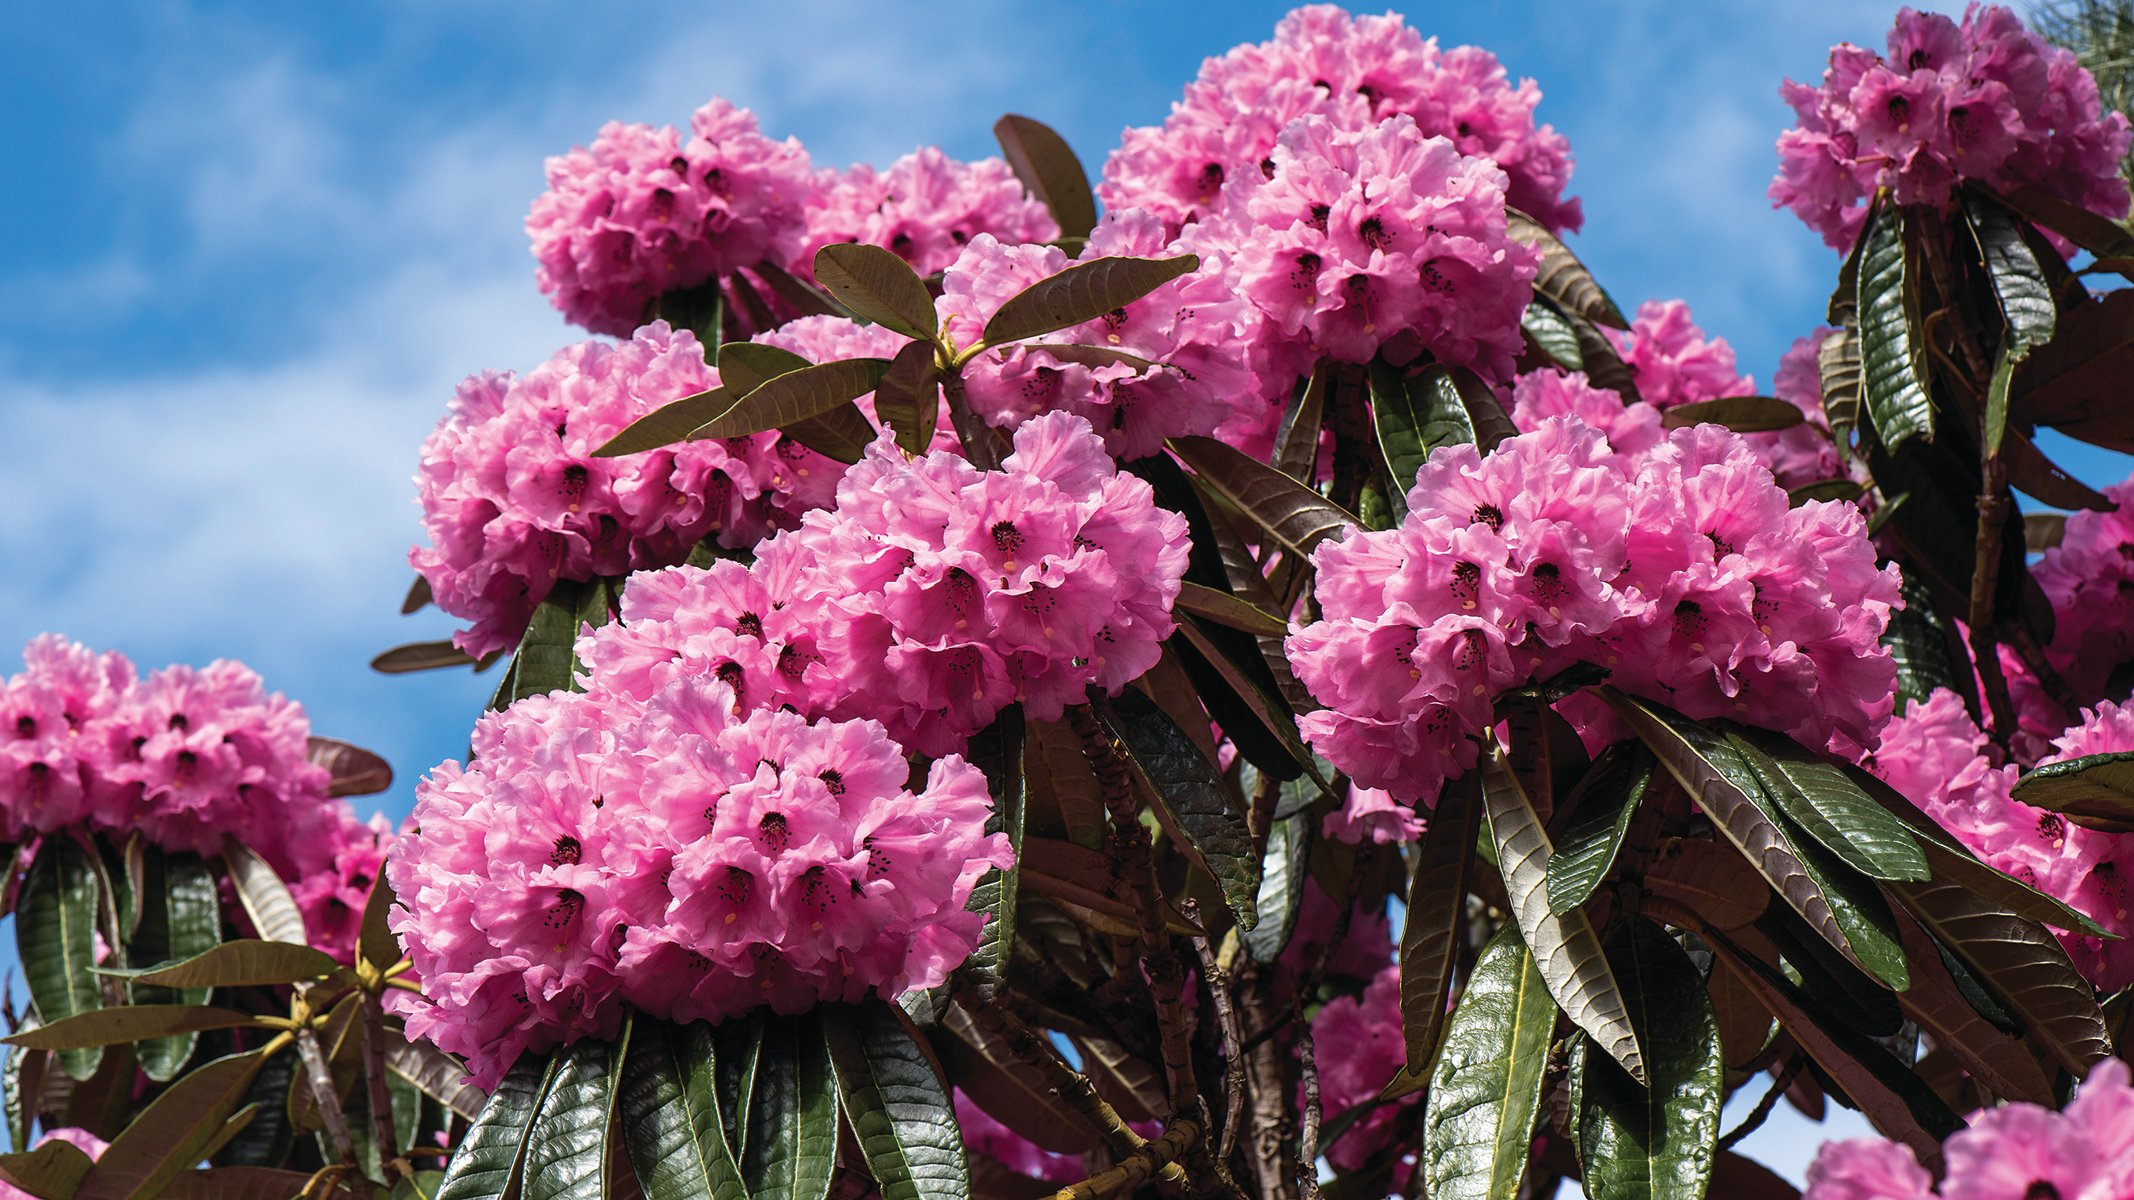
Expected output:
(257, 245)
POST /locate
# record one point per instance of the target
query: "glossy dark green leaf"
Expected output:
(1281, 896)
(1818, 795)
(262, 894)
(181, 918)
(1478, 1119)
(896, 1106)
(2095, 790)
(908, 397)
(128, 1023)
(1297, 517)
(1048, 167)
(1434, 931)
(1838, 365)
(1893, 385)
(420, 656)
(2019, 282)
(1227, 610)
(1656, 1143)
(1602, 804)
(878, 287)
(1742, 414)
(1551, 332)
(1924, 646)
(1296, 447)
(1416, 414)
(173, 1133)
(55, 940)
(490, 1162)
(547, 658)
(791, 1144)
(1082, 292)
(1251, 693)
(1189, 798)
(567, 1151)
(663, 426)
(1564, 945)
(671, 1115)
(1562, 278)
(998, 751)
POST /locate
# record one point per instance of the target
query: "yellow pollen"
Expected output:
(1697, 646)
(574, 508)
(962, 624)
(1555, 611)
(1414, 674)
(802, 472)
(1113, 338)
(1764, 629)
(732, 917)
(1480, 690)
(815, 928)
(1468, 605)
(1008, 565)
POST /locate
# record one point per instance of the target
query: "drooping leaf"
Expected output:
(173, 1133)
(55, 940)
(260, 1183)
(998, 751)
(490, 1162)
(435, 1074)
(547, 659)
(1478, 1119)
(246, 962)
(567, 1151)
(1825, 489)
(791, 1143)
(2098, 235)
(1837, 361)
(1227, 610)
(1562, 278)
(1252, 694)
(1742, 414)
(1923, 646)
(1416, 414)
(1297, 442)
(2076, 382)
(128, 1023)
(1008, 1087)
(1564, 946)
(896, 1105)
(2019, 284)
(375, 942)
(1189, 798)
(666, 425)
(746, 366)
(1048, 167)
(1082, 292)
(1551, 332)
(1602, 804)
(1655, 1143)
(1705, 877)
(420, 656)
(54, 1170)
(1281, 896)
(908, 397)
(1296, 516)
(2031, 472)
(2095, 790)
(878, 287)
(815, 391)
(1939, 1006)
(669, 1106)
(353, 770)
(2041, 532)
(1896, 397)
(1431, 937)
(181, 918)
(263, 895)
(1819, 796)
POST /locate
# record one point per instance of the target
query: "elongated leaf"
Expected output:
(128, 1023)
(1416, 414)
(1923, 645)
(1562, 278)
(566, 1154)
(243, 963)
(1048, 167)
(490, 1163)
(54, 1169)
(547, 659)
(1838, 364)
(1602, 804)
(1229, 611)
(172, 1134)
(1936, 1002)
(998, 751)
(1550, 331)
(435, 1074)
(354, 771)
(1565, 947)
(1298, 517)
(792, 1116)
(2098, 235)
(1189, 798)
(1282, 876)
(375, 941)
(1705, 877)
(1823, 800)
(1009, 1088)
(908, 397)
(1742, 414)
(746, 366)
(2096, 790)
(55, 940)
(2033, 474)
(420, 656)
(2019, 283)
(664, 426)
(878, 287)
(1478, 1120)
(1297, 442)
(1653, 1143)
(896, 1106)
(1257, 697)
(263, 895)
(1082, 292)
(796, 396)
(1896, 396)
(669, 1105)
(1430, 939)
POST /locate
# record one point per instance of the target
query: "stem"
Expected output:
(1308, 1134)
(1138, 1166)
(1267, 1071)
(981, 444)
(1064, 1081)
(381, 1097)
(1985, 574)
(320, 1073)
(1754, 1121)
(1233, 1042)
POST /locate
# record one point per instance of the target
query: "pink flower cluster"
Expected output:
(1355, 72)
(926, 208)
(186, 756)
(1934, 754)
(333, 894)
(681, 857)
(2013, 1152)
(640, 212)
(1380, 239)
(1684, 574)
(1359, 1049)
(1985, 101)
(931, 597)
(2089, 577)
(1165, 365)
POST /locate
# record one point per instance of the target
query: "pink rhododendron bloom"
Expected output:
(1365, 950)
(640, 212)
(1359, 1048)
(1631, 429)
(1357, 72)
(926, 208)
(1372, 815)
(1673, 362)
(332, 898)
(1985, 101)
(1685, 573)
(1868, 1168)
(1362, 241)
(682, 857)
(2089, 578)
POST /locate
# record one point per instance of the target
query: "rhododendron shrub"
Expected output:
(1273, 685)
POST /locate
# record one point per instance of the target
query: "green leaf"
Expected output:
(54, 1170)
(671, 1121)
(1897, 401)
(547, 657)
(746, 366)
(1817, 795)
(1837, 362)
(1048, 167)
(663, 426)
(1416, 414)
(1478, 1120)
(1923, 645)
(174, 1133)
(2096, 790)
(490, 1162)
(878, 287)
(1296, 516)
(420, 656)
(1742, 414)
(998, 751)
(435, 1074)
(55, 940)
(1014, 1091)
(263, 895)
(1562, 278)
(1565, 946)
(1281, 895)
(1653, 1143)
(908, 398)
(2098, 235)
(128, 1023)
(1601, 807)
(796, 396)
(1549, 331)
(375, 943)
(2019, 283)
(1189, 798)
(567, 1152)
(737, 1047)
(181, 918)
(791, 1143)
(1082, 292)
(1297, 443)
(1434, 932)
(1260, 700)
(1228, 611)
(351, 770)
(1948, 1004)
(896, 1106)
(247, 962)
